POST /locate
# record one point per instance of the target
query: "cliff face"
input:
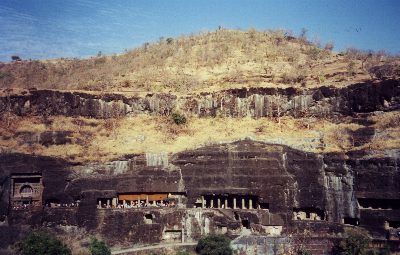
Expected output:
(254, 102)
(290, 190)
(235, 188)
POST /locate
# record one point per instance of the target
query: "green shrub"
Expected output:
(355, 243)
(178, 118)
(182, 253)
(97, 247)
(40, 242)
(214, 244)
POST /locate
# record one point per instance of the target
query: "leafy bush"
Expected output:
(355, 243)
(97, 247)
(214, 244)
(40, 242)
(178, 118)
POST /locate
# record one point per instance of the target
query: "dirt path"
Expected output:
(158, 246)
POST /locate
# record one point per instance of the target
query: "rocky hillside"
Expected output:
(262, 136)
(229, 85)
(207, 61)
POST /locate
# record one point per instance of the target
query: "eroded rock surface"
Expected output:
(290, 191)
(254, 102)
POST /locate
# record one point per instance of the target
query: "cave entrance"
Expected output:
(246, 223)
(148, 218)
(26, 191)
(151, 199)
(308, 213)
(393, 224)
(351, 221)
(227, 201)
(52, 202)
(105, 203)
(173, 236)
(374, 203)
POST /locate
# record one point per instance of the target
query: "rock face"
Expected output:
(254, 102)
(234, 188)
(261, 193)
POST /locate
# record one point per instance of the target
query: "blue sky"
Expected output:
(39, 29)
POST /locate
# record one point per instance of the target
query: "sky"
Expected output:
(41, 29)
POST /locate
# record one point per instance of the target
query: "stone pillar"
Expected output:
(243, 204)
(212, 203)
(114, 202)
(99, 203)
(226, 203)
(138, 201)
(12, 187)
(147, 200)
(234, 203)
(250, 203)
(203, 202)
(108, 202)
(124, 203)
(219, 202)
(183, 235)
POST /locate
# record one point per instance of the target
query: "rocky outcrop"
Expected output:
(290, 190)
(254, 102)
(238, 188)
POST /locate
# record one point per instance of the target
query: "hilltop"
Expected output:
(206, 61)
(298, 89)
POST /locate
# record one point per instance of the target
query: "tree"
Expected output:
(15, 58)
(40, 242)
(355, 243)
(97, 247)
(214, 244)
(303, 35)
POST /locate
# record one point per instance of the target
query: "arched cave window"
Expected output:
(26, 189)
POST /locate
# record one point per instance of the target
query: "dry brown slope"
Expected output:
(206, 61)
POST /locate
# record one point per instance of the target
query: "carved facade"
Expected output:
(26, 190)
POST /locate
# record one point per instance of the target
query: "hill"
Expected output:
(206, 77)
(205, 62)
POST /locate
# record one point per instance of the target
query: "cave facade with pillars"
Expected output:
(259, 188)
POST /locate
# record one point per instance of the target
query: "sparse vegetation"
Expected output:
(93, 139)
(355, 242)
(214, 244)
(97, 247)
(205, 61)
(40, 242)
(178, 118)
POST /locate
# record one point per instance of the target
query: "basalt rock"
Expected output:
(254, 102)
(266, 189)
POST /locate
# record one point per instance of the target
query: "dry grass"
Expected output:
(206, 61)
(109, 139)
